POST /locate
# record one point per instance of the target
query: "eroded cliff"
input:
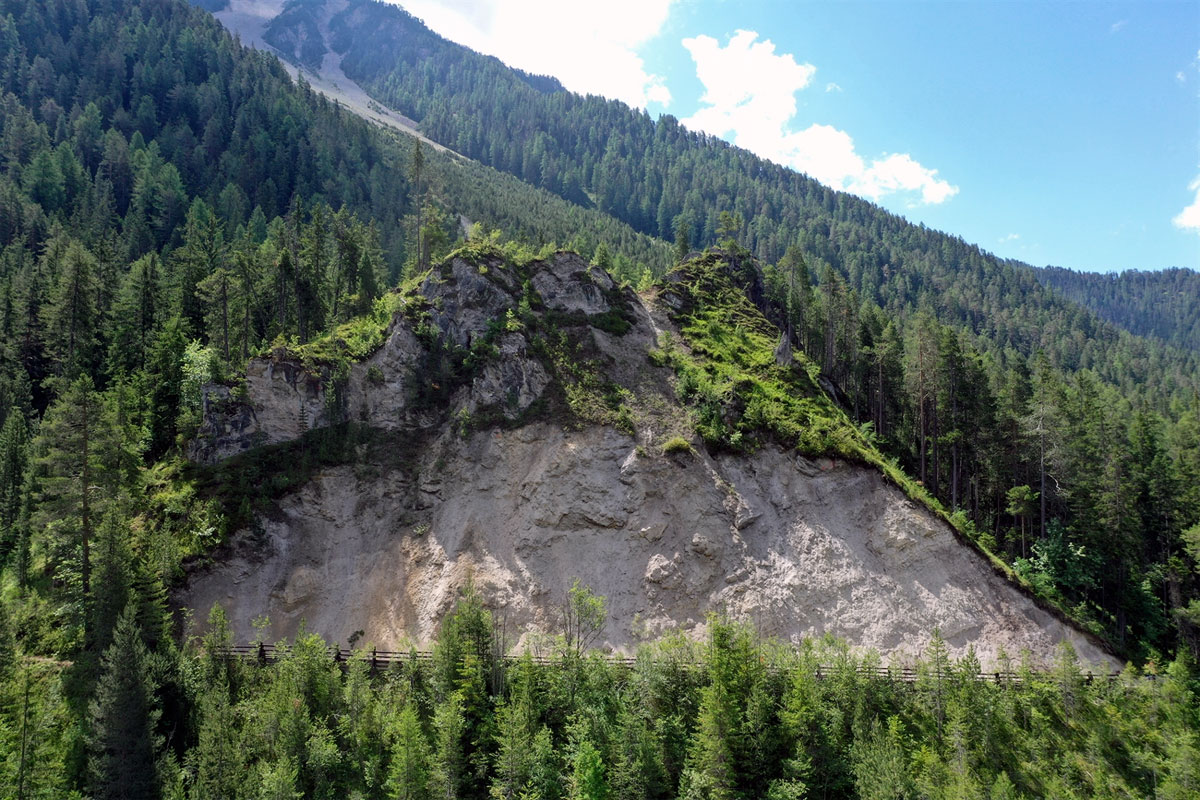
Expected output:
(522, 415)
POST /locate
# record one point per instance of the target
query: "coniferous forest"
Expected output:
(172, 203)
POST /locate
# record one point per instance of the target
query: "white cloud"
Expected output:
(1012, 237)
(746, 77)
(1179, 76)
(590, 47)
(1118, 25)
(832, 87)
(1189, 218)
(750, 92)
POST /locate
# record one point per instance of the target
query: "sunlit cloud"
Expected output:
(750, 96)
(1189, 218)
(566, 40)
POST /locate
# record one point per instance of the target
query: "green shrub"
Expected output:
(676, 444)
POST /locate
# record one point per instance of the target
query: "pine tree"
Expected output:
(408, 773)
(72, 442)
(246, 276)
(122, 744)
(164, 370)
(711, 772)
(1042, 427)
(136, 316)
(881, 764)
(683, 243)
(216, 291)
(217, 758)
(416, 166)
(587, 773)
(113, 580)
(449, 771)
(514, 748)
(203, 252)
(14, 458)
(72, 318)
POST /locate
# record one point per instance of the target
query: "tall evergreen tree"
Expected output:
(14, 458)
(408, 773)
(123, 747)
(72, 318)
(72, 442)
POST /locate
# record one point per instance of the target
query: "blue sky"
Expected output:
(1063, 133)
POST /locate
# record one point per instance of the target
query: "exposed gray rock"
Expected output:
(230, 426)
(282, 400)
(834, 549)
(568, 283)
(380, 389)
(466, 302)
(467, 298)
(509, 383)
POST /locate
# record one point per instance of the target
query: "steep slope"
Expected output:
(558, 452)
(249, 21)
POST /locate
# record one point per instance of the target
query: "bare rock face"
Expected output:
(282, 400)
(798, 547)
(469, 298)
(511, 383)
(570, 284)
(467, 302)
(230, 426)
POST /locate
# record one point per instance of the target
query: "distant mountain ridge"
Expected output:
(1163, 304)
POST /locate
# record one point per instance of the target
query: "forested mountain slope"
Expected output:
(656, 174)
(1163, 304)
(172, 204)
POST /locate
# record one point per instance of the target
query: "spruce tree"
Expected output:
(14, 457)
(449, 771)
(136, 315)
(113, 578)
(683, 243)
(72, 318)
(71, 442)
(122, 744)
(416, 166)
(408, 775)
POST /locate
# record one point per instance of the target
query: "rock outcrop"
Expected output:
(467, 303)
(797, 546)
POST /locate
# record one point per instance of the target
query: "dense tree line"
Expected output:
(730, 717)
